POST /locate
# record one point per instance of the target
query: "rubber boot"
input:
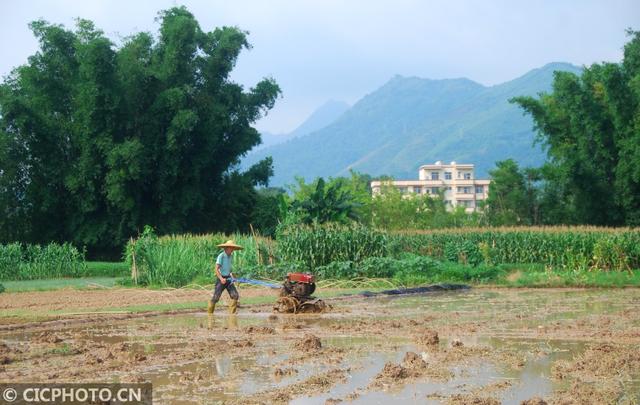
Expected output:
(211, 307)
(233, 306)
(232, 321)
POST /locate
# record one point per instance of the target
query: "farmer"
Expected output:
(224, 277)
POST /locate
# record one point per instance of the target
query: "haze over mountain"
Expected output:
(320, 118)
(411, 121)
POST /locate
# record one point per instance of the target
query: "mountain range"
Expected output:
(411, 121)
(320, 118)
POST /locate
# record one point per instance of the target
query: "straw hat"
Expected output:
(230, 244)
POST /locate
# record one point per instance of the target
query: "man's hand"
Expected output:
(223, 280)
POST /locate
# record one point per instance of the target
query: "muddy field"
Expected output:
(469, 347)
(22, 306)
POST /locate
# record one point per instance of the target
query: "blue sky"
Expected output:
(328, 49)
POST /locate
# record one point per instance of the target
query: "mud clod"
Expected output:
(6, 354)
(429, 337)
(393, 372)
(284, 372)
(456, 343)
(309, 342)
(242, 343)
(263, 330)
(139, 357)
(413, 360)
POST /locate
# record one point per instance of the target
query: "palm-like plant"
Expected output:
(330, 203)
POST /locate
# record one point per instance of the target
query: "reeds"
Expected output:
(177, 260)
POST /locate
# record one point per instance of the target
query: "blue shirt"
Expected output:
(225, 263)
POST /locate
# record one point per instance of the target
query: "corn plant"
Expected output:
(559, 247)
(319, 245)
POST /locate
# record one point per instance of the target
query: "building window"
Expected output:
(479, 189)
(435, 190)
(403, 190)
(464, 190)
(447, 175)
(467, 176)
(448, 188)
(435, 176)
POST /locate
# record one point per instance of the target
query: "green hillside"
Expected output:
(411, 121)
(320, 118)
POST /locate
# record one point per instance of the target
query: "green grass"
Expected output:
(589, 279)
(59, 283)
(108, 269)
(65, 349)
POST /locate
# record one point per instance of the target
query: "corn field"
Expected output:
(349, 251)
(558, 247)
(31, 262)
(316, 245)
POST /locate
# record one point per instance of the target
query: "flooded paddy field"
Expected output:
(479, 346)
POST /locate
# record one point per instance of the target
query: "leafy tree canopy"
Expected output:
(97, 140)
(391, 209)
(513, 195)
(590, 125)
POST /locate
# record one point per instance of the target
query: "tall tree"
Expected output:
(590, 125)
(99, 140)
(271, 209)
(512, 196)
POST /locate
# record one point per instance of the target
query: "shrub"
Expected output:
(409, 269)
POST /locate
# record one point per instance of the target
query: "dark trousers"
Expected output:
(219, 288)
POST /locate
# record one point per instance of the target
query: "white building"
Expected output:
(456, 180)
